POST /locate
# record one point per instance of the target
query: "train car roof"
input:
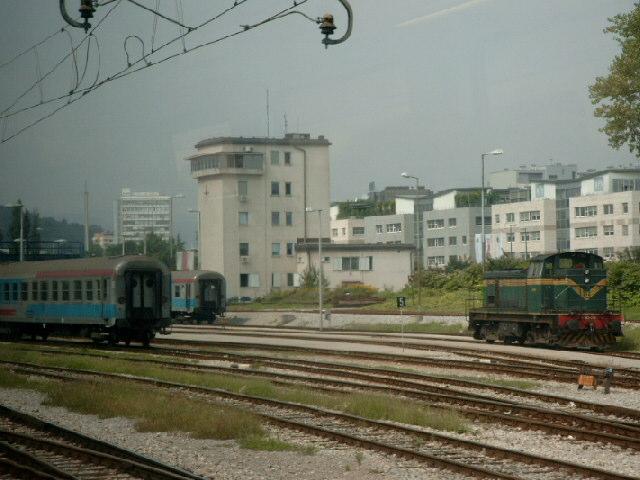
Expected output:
(101, 265)
(196, 274)
(543, 257)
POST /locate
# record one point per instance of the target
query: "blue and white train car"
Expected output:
(107, 299)
(197, 295)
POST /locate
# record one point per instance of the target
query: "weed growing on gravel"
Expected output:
(381, 407)
(631, 339)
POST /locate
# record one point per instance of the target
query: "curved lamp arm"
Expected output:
(86, 12)
(328, 41)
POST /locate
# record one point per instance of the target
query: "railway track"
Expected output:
(475, 406)
(469, 458)
(493, 364)
(32, 448)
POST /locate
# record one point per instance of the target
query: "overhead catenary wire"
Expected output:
(6, 113)
(81, 93)
(157, 13)
(35, 45)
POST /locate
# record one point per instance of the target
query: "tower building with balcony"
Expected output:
(253, 196)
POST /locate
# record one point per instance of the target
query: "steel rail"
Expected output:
(494, 452)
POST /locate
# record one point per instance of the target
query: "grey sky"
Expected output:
(423, 86)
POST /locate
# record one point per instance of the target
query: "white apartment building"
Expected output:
(253, 194)
(605, 218)
(141, 213)
(348, 230)
(525, 229)
(391, 229)
(525, 175)
(383, 266)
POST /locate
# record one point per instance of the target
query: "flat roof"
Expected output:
(367, 247)
(288, 139)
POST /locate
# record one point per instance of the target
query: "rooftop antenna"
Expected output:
(268, 126)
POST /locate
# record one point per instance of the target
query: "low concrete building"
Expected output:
(382, 266)
(348, 230)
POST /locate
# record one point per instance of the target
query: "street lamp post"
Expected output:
(417, 235)
(198, 233)
(321, 276)
(21, 239)
(171, 242)
(484, 237)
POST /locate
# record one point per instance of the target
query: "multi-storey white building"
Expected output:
(525, 229)
(141, 213)
(523, 176)
(253, 196)
(348, 230)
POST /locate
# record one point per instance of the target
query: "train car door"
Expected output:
(143, 296)
(209, 293)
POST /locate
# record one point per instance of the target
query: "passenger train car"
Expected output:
(559, 300)
(107, 299)
(197, 295)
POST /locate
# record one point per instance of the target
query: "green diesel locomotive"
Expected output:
(559, 300)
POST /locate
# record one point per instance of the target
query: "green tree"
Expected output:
(310, 277)
(617, 95)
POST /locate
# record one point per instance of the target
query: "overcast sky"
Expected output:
(423, 86)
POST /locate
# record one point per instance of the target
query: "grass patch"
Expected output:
(414, 327)
(366, 405)
(631, 339)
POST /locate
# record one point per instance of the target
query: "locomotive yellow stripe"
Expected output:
(535, 282)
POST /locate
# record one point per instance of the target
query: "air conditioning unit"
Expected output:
(248, 149)
(242, 198)
(244, 259)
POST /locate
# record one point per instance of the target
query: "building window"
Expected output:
(453, 258)
(539, 191)
(350, 263)
(275, 280)
(598, 184)
(511, 237)
(435, 261)
(275, 189)
(358, 230)
(290, 277)
(497, 218)
(244, 280)
(464, 239)
(275, 249)
(287, 158)
(275, 218)
(275, 157)
(378, 228)
(529, 236)
(437, 223)
(511, 217)
(244, 249)
(607, 230)
(487, 220)
(344, 231)
(530, 216)
(436, 242)
(243, 187)
(287, 189)
(590, 211)
(453, 240)
(334, 232)
(291, 248)
(625, 230)
(394, 227)
(608, 209)
(625, 207)
(289, 218)
(588, 232)
(243, 218)
(453, 222)
(607, 252)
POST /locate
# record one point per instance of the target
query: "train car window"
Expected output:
(98, 290)
(34, 291)
(88, 289)
(77, 290)
(54, 290)
(176, 291)
(44, 290)
(7, 292)
(65, 291)
(105, 289)
(188, 293)
(24, 291)
(14, 292)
